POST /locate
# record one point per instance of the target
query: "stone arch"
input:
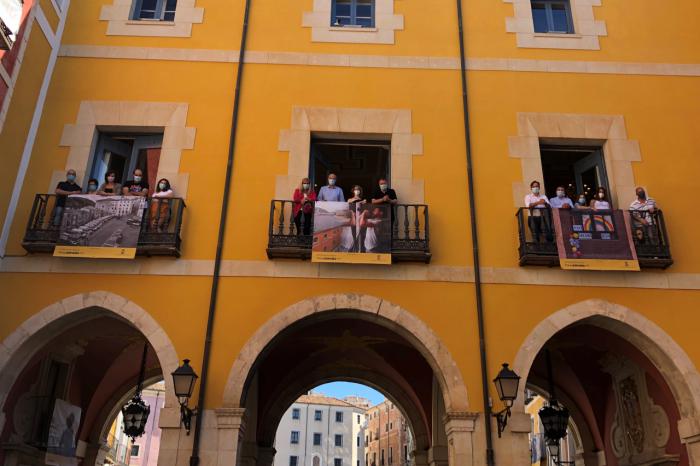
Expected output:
(20, 345)
(667, 356)
(385, 313)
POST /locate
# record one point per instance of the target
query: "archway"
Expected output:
(358, 338)
(631, 385)
(80, 356)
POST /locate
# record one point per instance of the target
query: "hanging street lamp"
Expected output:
(554, 417)
(507, 383)
(136, 411)
(184, 379)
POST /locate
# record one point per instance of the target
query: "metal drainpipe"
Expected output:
(475, 245)
(194, 459)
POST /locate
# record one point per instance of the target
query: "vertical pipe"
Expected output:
(475, 244)
(194, 459)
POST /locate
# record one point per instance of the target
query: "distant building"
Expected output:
(144, 451)
(319, 430)
(388, 437)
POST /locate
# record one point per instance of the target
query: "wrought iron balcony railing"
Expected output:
(158, 235)
(409, 242)
(648, 234)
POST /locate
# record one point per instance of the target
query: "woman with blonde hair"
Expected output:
(304, 198)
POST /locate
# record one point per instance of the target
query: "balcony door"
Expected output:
(124, 153)
(580, 169)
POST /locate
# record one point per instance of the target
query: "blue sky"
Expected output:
(343, 389)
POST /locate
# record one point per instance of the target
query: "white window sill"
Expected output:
(150, 22)
(352, 29)
(558, 35)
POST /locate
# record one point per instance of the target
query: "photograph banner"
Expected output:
(594, 240)
(100, 226)
(60, 448)
(351, 233)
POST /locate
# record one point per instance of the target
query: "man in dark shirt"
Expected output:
(64, 189)
(383, 194)
(137, 186)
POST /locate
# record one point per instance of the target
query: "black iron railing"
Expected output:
(538, 247)
(290, 239)
(159, 235)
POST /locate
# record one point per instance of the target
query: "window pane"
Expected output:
(342, 9)
(559, 17)
(170, 6)
(364, 11)
(364, 22)
(539, 17)
(148, 9)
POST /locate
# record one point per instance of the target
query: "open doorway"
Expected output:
(580, 169)
(360, 162)
(124, 153)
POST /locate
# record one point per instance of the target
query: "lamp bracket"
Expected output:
(502, 419)
(186, 415)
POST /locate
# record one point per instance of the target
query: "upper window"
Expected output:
(318, 415)
(317, 439)
(295, 437)
(293, 460)
(295, 413)
(338, 440)
(159, 10)
(352, 13)
(552, 16)
(338, 416)
(135, 451)
(338, 462)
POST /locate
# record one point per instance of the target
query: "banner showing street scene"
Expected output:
(594, 240)
(351, 233)
(100, 226)
(60, 448)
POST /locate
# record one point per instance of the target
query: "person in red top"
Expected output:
(304, 198)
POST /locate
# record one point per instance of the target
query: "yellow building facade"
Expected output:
(548, 84)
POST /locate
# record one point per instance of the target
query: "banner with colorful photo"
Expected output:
(100, 226)
(351, 233)
(594, 240)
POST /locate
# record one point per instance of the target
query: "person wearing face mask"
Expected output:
(160, 204)
(581, 202)
(643, 210)
(358, 231)
(539, 219)
(110, 187)
(600, 201)
(561, 201)
(331, 192)
(383, 194)
(136, 187)
(63, 190)
(92, 186)
(303, 208)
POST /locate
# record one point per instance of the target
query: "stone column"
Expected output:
(230, 423)
(513, 448)
(459, 426)
(174, 444)
(95, 454)
(266, 456)
(438, 455)
(419, 458)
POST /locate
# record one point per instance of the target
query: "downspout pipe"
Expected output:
(475, 245)
(194, 459)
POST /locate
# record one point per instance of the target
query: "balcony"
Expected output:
(409, 243)
(41, 235)
(653, 249)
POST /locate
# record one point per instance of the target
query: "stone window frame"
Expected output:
(395, 124)
(607, 131)
(171, 117)
(587, 29)
(120, 22)
(385, 23)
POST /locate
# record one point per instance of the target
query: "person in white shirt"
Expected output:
(600, 201)
(160, 204)
(643, 210)
(561, 201)
(539, 219)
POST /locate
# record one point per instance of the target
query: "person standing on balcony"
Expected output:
(92, 186)
(358, 230)
(160, 204)
(643, 212)
(600, 201)
(561, 201)
(539, 213)
(63, 190)
(383, 194)
(303, 208)
(110, 187)
(331, 192)
(582, 202)
(136, 187)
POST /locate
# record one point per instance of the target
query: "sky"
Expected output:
(343, 389)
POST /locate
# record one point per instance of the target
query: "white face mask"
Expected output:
(331, 181)
(535, 190)
(560, 193)
(601, 195)
(357, 192)
(383, 187)
(162, 186)
(110, 179)
(582, 200)
(305, 186)
(137, 178)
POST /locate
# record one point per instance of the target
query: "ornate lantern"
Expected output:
(136, 411)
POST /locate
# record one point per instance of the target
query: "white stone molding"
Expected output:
(170, 117)
(395, 124)
(118, 16)
(381, 311)
(587, 29)
(385, 23)
(17, 349)
(609, 130)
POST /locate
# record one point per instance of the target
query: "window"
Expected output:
(352, 13)
(579, 169)
(295, 437)
(159, 10)
(382, 460)
(135, 451)
(317, 439)
(338, 440)
(391, 426)
(552, 16)
(338, 462)
(358, 440)
(386, 427)
(391, 455)
(293, 460)
(358, 419)
(338, 416)
(295, 413)
(318, 415)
